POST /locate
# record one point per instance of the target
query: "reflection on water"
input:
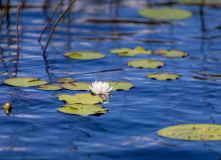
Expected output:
(128, 131)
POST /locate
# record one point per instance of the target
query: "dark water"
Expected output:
(35, 130)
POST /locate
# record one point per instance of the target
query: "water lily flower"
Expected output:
(99, 88)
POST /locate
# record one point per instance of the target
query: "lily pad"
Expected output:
(84, 55)
(65, 80)
(163, 76)
(172, 53)
(120, 85)
(49, 87)
(82, 98)
(82, 109)
(130, 52)
(145, 63)
(200, 2)
(76, 86)
(198, 132)
(24, 82)
(165, 13)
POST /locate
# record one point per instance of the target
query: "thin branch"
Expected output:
(17, 31)
(5, 10)
(49, 20)
(55, 26)
(17, 58)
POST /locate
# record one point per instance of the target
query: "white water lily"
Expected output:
(100, 88)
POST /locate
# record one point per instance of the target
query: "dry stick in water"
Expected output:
(39, 39)
(55, 26)
(17, 32)
(17, 58)
(5, 10)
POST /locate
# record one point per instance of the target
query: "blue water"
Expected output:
(36, 130)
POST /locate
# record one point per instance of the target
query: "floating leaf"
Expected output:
(163, 76)
(200, 2)
(65, 80)
(82, 98)
(130, 52)
(120, 85)
(199, 132)
(24, 82)
(76, 86)
(49, 87)
(172, 53)
(145, 63)
(84, 55)
(165, 13)
(82, 109)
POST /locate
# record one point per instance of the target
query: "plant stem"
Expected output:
(39, 39)
(5, 10)
(56, 25)
(17, 31)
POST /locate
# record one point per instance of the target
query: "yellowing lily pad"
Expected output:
(84, 55)
(130, 52)
(82, 98)
(65, 80)
(24, 82)
(76, 86)
(163, 76)
(82, 109)
(145, 63)
(49, 87)
(200, 2)
(120, 85)
(172, 53)
(165, 13)
(197, 132)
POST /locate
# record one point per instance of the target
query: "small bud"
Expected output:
(7, 106)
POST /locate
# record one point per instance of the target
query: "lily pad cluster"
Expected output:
(86, 100)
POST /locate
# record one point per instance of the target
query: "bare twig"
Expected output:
(56, 25)
(39, 39)
(5, 10)
(17, 58)
(17, 31)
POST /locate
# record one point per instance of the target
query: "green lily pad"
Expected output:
(197, 132)
(82, 98)
(65, 80)
(165, 13)
(49, 87)
(84, 55)
(172, 53)
(76, 86)
(24, 82)
(163, 76)
(82, 109)
(145, 63)
(120, 85)
(130, 52)
(200, 2)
